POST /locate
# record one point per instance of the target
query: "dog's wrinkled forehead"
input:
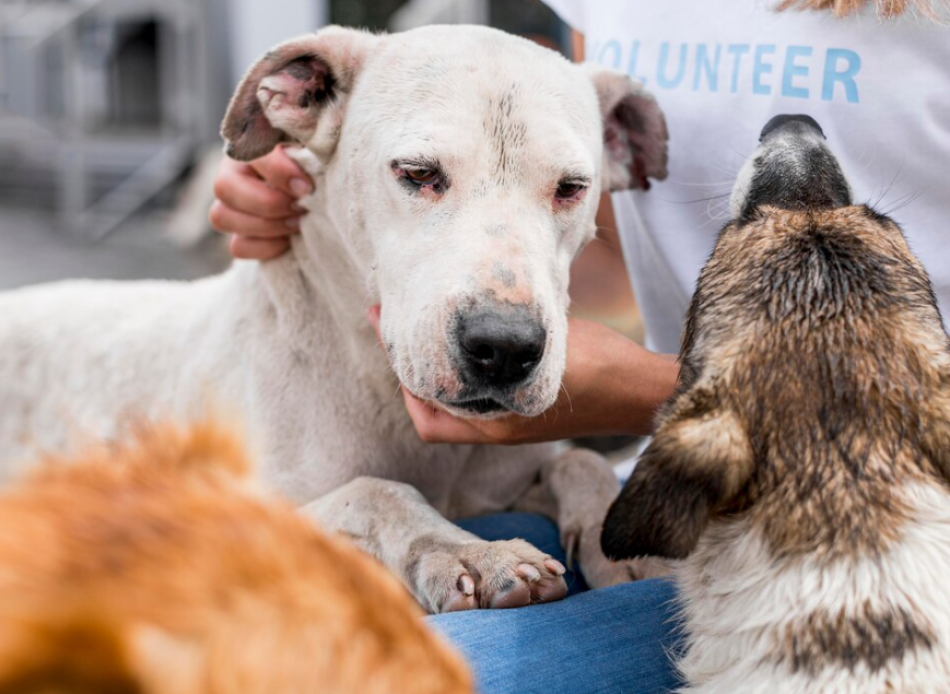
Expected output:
(457, 90)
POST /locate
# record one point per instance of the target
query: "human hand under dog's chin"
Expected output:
(256, 204)
(611, 385)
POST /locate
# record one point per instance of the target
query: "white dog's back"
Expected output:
(60, 380)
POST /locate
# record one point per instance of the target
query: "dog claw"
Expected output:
(459, 603)
(529, 573)
(479, 574)
(571, 543)
(466, 584)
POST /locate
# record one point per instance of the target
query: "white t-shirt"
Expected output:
(720, 70)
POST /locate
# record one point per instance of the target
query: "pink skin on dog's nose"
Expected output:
(372, 314)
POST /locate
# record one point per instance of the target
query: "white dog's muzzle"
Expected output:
(497, 350)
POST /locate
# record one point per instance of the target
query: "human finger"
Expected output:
(231, 221)
(283, 173)
(437, 426)
(250, 248)
(241, 189)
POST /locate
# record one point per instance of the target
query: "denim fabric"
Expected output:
(615, 640)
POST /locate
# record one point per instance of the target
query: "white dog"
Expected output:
(457, 175)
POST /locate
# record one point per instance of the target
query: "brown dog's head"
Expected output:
(815, 372)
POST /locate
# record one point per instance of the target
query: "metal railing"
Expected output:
(58, 69)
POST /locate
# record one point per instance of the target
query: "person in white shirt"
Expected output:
(877, 79)
(880, 87)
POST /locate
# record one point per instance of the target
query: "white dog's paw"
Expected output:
(598, 570)
(450, 576)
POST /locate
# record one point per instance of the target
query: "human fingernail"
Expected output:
(297, 207)
(293, 222)
(300, 187)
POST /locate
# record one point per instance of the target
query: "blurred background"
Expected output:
(109, 114)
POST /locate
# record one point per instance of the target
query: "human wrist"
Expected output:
(636, 382)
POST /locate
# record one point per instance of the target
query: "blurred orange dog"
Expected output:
(158, 568)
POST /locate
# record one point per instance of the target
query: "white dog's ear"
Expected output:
(296, 93)
(635, 134)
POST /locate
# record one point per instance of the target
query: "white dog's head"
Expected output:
(470, 164)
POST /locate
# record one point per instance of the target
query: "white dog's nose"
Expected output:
(500, 348)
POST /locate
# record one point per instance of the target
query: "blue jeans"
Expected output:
(614, 640)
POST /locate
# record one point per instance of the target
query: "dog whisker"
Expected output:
(570, 402)
(598, 239)
(890, 185)
(708, 184)
(720, 196)
(905, 200)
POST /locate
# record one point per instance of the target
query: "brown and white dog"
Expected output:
(159, 568)
(803, 468)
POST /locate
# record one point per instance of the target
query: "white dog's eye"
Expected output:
(423, 177)
(419, 176)
(570, 190)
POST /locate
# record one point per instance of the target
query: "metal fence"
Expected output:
(102, 103)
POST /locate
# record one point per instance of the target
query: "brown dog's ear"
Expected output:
(635, 135)
(294, 92)
(694, 464)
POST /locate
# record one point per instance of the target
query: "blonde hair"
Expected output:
(885, 8)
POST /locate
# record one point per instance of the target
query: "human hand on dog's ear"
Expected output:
(611, 385)
(256, 203)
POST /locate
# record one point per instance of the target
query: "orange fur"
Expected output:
(157, 568)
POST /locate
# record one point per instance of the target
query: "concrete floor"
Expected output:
(33, 249)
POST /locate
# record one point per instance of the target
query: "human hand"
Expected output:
(256, 203)
(611, 385)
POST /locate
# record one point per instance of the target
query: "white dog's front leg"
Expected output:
(445, 567)
(576, 490)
